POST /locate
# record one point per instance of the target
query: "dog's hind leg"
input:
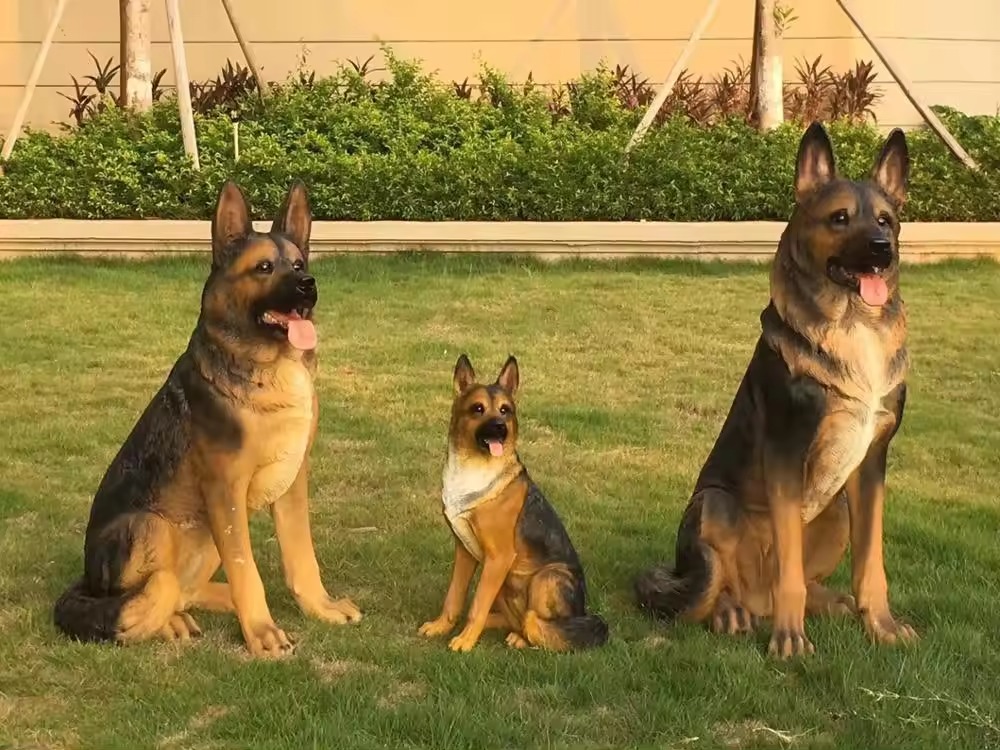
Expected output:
(199, 590)
(556, 618)
(731, 617)
(130, 590)
(214, 596)
(689, 589)
(826, 540)
(153, 607)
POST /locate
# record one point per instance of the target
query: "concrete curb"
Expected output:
(752, 240)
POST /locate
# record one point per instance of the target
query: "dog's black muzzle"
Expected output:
(494, 430)
(296, 291)
(874, 256)
(305, 289)
(878, 254)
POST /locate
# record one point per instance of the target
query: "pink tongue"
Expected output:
(496, 447)
(301, 334)
(873, 289)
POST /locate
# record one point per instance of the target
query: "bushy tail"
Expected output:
(687, 590)
(88, 618)
(565, 633)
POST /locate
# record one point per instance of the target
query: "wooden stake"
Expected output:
(29, 87)
(245, 46)
(675, 72)
(907, 88)
(183, 83)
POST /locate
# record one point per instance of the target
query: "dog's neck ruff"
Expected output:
(852, 363)
(465, 487)
(853, 358)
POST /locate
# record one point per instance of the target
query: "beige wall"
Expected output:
(951, 51)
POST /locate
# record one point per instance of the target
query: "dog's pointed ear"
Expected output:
(892, 168)
(464, 374)
(294, 219)
(509, 377)
(230, 222)
(814, 166)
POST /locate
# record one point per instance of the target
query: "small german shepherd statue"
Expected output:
(798, 469)
(532, 582)
(229, 433)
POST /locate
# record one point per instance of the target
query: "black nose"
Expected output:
(495, 429)
(306, 285)
(880, 251)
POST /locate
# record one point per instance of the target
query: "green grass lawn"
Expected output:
(627, 372)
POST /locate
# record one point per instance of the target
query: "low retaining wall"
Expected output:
(752, 240)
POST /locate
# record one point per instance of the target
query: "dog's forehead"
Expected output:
(855, 197)
(872, 198)
(497, 393)
(260, 247)
(488, 394)
(286, 247)
(836, 195)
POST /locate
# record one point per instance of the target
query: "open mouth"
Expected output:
(864, 278)
(300, 331)
(493, 445)
(492, 437)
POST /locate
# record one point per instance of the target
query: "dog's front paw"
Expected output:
(267, 640)
(464, 641)
(434, 628)
(790, 642)
(335, 611)
(884, 628)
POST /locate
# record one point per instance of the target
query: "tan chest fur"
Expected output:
(855, 414)
(278, 425)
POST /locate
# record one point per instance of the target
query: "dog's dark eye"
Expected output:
(265, 266)
(298, 265)
(504, 409)
(883, 220)
(478, 409)
(839, 218)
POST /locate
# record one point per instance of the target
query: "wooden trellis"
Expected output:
(180, 74)
(891, 65)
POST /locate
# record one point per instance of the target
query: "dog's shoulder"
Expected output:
(153, 452)
(776, 400)
(540, 530)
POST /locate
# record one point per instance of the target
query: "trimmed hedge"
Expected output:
(409, 148)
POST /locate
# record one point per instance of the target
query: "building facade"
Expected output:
(949, 51)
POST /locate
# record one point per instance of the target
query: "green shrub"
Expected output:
(412, 147)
